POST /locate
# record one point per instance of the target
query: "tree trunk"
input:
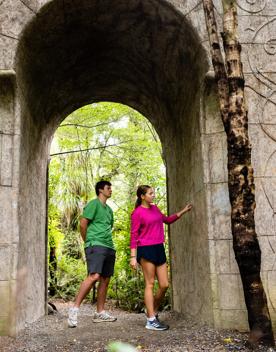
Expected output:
(52, 271)
(240, 172)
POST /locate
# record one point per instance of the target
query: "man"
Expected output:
(96, 231)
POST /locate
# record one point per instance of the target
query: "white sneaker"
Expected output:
(73, 317)
(103, 317)
(156, 325)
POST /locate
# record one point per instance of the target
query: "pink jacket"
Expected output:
(147, 226)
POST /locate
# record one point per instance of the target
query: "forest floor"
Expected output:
(50, 333)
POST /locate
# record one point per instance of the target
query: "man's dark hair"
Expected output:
(100, 185)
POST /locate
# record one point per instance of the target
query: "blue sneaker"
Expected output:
(156, 325)
(157, 318)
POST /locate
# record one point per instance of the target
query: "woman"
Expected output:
(147, 248)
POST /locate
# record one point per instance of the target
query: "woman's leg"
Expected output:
(149, 271)
(163, 283)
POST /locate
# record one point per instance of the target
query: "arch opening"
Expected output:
(100, 141)
(143, 54)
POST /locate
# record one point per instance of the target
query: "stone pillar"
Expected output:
(257, 25)
(259, 58)
(9, 234)
(229, 309)
(189, 251)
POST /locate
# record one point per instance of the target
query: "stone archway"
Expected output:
(59, 55)
(140, 53)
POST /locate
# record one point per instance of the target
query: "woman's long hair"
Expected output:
(141, 191)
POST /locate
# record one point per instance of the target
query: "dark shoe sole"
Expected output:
(103, 321)
(157, 329)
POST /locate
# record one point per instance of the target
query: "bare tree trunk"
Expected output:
(240, 172)
(53, 271)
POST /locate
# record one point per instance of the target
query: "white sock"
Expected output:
(151, 318)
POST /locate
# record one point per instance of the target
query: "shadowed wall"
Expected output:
(141, 53)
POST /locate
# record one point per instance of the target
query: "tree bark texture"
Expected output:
(230, 81)
(52, 271)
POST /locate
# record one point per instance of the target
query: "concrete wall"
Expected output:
(190, 262)
(228, 303)
(259, 56)
(153, 60)
(257, 23)
(9, 179)
(32, 219)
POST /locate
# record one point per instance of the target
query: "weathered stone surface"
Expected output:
(255, 102)
(230, 292)
(271, 289)
(197, 19)
(268, 248)
(7, 47)
(13, 260)
(227, 318)
(216, 152)
(8, 215)
(5, 262)
(261, 7)
(33, 5)
(190, 231)
(220, 256)
(256, 29)
(265, 196)
(234, 269)
(154, 58)
(259, 57)
(219, 212)
(4, 299)
(6, 102)
(6, 160)
(263, 149)
(14, 15)
(262, 83)
(16, 161)
(212, 119)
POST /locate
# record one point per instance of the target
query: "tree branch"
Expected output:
(86, 149)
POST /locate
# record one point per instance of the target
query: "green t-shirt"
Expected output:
(99, 229)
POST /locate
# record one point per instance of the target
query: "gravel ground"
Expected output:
(51, 334)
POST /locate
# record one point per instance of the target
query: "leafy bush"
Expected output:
(69, 274)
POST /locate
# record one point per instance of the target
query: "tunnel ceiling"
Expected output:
(142, 53)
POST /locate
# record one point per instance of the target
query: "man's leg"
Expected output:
(101, 294)
(107, 271)
(85, 288)
(102, 315)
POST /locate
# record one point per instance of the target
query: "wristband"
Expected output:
(133, 256)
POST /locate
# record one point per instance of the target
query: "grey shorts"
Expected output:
(100, 260)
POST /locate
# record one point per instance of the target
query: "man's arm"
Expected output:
(83, 227)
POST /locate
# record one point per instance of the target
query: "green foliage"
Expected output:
(101, 141)
(70, 273)
(55, 234)
(73, 245)
(118, 346)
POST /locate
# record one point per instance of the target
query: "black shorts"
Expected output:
(100, 260)
(154, 254)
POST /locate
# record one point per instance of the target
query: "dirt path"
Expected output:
(51, 334)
